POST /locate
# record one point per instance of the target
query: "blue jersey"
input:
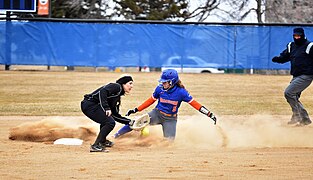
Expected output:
(169, 101)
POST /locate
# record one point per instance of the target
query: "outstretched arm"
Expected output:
(203, 110)
(146, 104)
(143, 106)
(284, 56)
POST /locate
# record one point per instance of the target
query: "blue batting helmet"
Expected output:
(169, 75)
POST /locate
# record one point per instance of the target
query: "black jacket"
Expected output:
(109, 98)
(301, 61)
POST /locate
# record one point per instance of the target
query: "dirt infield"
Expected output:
(250, 141)
(240, 147)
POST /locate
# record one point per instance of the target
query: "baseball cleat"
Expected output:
(306, 122)
(98, 148)
(108, 143)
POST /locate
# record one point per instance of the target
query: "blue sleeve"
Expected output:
(186, 97)
(156, 93)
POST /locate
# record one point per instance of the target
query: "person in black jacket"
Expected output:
(300, 55)
(102, 106)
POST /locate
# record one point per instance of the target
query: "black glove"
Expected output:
(276, 59)
(205, 111)
(131, 111)
(212, 116)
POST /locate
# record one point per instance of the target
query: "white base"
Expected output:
(69, 141)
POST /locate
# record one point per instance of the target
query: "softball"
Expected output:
(145, 132)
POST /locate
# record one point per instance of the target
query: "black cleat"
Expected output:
(98, 148)
(108, 143)
(305, 122)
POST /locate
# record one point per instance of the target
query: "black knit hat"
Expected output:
(124, 80)
(298, 31)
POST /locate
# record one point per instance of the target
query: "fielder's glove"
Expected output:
(140, 122)
(131, 111)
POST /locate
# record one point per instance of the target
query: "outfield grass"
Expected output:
(46, 93)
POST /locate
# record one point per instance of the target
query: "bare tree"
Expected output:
(234, 10)
(284, 11)
(204, 10)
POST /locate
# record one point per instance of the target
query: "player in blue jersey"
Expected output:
(170, 93)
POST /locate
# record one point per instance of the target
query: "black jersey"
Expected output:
(109, 98)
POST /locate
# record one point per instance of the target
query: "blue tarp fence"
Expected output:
(133, 45)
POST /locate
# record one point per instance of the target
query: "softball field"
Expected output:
(250, 141)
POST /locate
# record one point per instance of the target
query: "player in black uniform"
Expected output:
(102, 106)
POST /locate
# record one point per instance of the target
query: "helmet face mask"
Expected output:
(165, 84)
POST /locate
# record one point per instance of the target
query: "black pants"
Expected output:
(94, 111)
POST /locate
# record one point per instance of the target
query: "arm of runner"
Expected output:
(143, 106)
(146, 104)
(202, 109)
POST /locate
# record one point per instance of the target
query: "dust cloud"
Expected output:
(52, 128)
(256, 131)
(242, 131)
